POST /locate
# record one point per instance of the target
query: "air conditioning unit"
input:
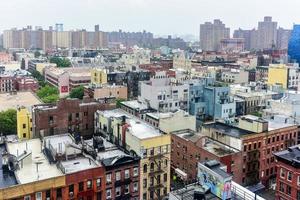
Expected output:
(71, 194)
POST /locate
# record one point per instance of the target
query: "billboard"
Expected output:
(64, 89)
(218, 183)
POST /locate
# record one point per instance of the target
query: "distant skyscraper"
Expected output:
(267, 33)
(283, 36)
(211, 35)
(294, 44)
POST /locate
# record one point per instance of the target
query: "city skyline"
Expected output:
(144, 14)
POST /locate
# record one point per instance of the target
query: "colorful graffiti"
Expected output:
(218, 186)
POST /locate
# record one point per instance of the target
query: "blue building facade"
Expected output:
(210, 101)
(294, 44)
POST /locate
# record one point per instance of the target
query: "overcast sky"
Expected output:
(161, 17)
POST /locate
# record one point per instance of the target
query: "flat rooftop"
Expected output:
(137, 127)
(290, 156)
(187, 193)
(228, 130)
(26, 99)
(78, 164)
(218, 148)
(35, 164)
(135, 105)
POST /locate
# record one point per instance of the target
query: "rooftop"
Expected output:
(228, 130)
(35, 165)
(78, 164)
(136, 127)
(135, 105)
(218, 148)
(290, 156)
(26, 99)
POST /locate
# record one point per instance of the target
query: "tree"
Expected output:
(37, 54)
(60, 62)
(77, 92)
(48, 94)
(8, 122)
(36, 74)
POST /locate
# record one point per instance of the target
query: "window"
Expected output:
(165, 177)
(126, 189)
(24, 125)
(71, 190)
(144, 182)
(281, 187)
(89, 184)
(145, 196)
(282, 173)
(58, 193)
(145, 168)
(98, 182)
(298, 181)
(152, 166)
(108, 178)
(108, 194)
(28, 197)
(118, 176)
(135, 171)
(127, 173)
(48, 194)
(289, 176)
(99, 196)
(118, 191)
(288, 190)
(81, 187)
(135, 186)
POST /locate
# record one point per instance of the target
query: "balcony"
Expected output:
(154, 157)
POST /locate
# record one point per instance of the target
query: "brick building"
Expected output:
(69, 170)
(24, 83)
(190, 148)
(288, 179)
(257, 139)
(7, 83)
(67, 115)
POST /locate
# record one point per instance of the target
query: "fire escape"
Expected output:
(158, 168)
(252, 167)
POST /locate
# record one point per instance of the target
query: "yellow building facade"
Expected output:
(278, 75)
(98, 76)
(149, 143)
(24, 123)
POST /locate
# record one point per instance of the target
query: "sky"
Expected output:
(161, 17)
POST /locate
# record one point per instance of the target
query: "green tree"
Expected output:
(37, 75)
(60, 62)
(37, 54)
(8, 122)
(77, 92)
(48, 94)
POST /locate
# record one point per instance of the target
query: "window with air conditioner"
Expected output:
(108, 194)
(118, 176)
(118, 191)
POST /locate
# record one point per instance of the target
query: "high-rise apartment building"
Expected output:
(267, 33)
(211, 35)
(48, 39)
(283, 37)
(250, 38)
